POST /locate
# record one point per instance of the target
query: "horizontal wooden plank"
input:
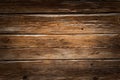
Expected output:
(59, 6)
(89, 46)
(74, 78)
(61, 41)
(60, 70)
(58, 53)
(60, 24)
(61, 78)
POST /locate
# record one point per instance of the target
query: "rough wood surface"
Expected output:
(61, 41)
(61, 78)
(114, 77)
(60, 70)
(59, 6)
(59, 53)
(89, 46)
(60, 24)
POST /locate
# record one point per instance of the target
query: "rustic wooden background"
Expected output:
(59, 40)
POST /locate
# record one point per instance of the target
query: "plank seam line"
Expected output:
(59, 34)
(65, 14)
(84, 59)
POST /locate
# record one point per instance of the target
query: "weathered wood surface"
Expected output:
(89, 46)
(114, 77)
(61, 78)
(60, 70)
(59, 6)
(61, 41)
(59, 53)
(60, 24)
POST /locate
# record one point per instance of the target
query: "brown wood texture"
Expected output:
(88, 46)
(60, 24)
(59, 6)
(59, 53)
(61, 41)
(60, 70)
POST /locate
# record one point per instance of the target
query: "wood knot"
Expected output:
(82, 28)
(25, 77)
(91, 64)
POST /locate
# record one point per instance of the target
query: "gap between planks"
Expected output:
(36, 35)
(62, 14)
(40, 34)
(39, 60)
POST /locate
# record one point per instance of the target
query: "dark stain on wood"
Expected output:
(59, 6)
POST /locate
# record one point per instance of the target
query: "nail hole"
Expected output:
(82, 28)
(95, 78)
(24, 77)
(91, 64)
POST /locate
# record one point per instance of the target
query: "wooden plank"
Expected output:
(60, 24)
(89, 46)
(60, 70)
(61, 78)
(58, 53)
(61, 41)
(74, 78)
(59, 6)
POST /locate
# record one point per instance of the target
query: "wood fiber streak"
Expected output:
(61, 41)
(60, 70)
(59, 24)
(59, 6)
(58, 53)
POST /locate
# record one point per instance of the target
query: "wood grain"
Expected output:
(60, 24)
(89, 46)
(59, 53)
(61, 78)
(74, 78)
(61, 41)
(60, 70)
(59, 6)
